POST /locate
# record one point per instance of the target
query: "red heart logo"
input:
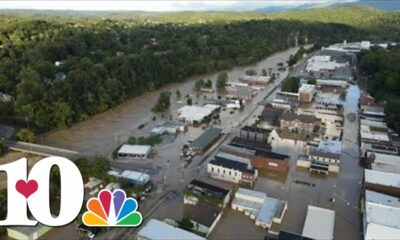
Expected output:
(26, 188)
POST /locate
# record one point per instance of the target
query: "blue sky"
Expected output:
(161, 5)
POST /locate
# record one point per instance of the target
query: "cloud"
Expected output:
(216, 5)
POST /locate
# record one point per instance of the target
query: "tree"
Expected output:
(264, 72)
(189, 101)
(290, 84)
(251, 72)
(178, 94)
(222, 80)
(26, 135)
(208, 84)
(163, 103)
(199, 84)
(312, 80)
(63, 115)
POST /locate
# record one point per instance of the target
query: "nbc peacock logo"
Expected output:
(112, 209)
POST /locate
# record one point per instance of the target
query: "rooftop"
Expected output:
(157, 230)
(202, 213)
(382, 178)
(209, 187)
(223, 155)
(319, 223)
(318, 153)
(380, 198)
(290, 116)
(206, 138)
(330, 146)
(243, 167)
(269, 154)
(250, 144)
(270, 209)
(382, 214)
(285, 235)
(134, 149)
(255, 129)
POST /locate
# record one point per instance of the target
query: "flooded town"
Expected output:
(293, 146)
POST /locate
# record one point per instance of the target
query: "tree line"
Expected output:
(64, 70)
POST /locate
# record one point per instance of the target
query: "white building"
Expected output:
(384, 162)
(157, 230)
(323, 63)
(319, 223)
(137, 178)
(231, 171)
(264, 210)
(196, 114)
(134, 151)
(381, 216)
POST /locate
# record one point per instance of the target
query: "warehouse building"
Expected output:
(157, 230)
(206, 140)
(133, 177)
(128, 151)
(383, 182)
(319, 223)
(259, 207)
(270, 161)
(196, 114)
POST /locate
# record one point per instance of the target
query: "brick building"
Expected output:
(270, 160)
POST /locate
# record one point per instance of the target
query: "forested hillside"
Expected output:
(382, 67)
(108, 58)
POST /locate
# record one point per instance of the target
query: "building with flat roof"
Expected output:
(28, 232)
(384, 162)
(272, 115)
(196, 114)
(255, 80)
(294, 122)
(306, 92)
(285, 235)
(319, 223)
(381, 216)
(255, 133)
(210, 188)
(157, 230)
(232, 171)
(238, 151)
(205, 140)
(134, 151)
(373, 134)
(241, 92)
(383, 182)
(137, 178)
(270, 161)
(264, 210)
(249, 144)
(168, 128)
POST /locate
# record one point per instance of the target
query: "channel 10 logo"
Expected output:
(23, 191)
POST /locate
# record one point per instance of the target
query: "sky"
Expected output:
(163, 5)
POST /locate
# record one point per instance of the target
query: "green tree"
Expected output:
(163, 103)
(222, 80)
(185, 224)
(189, 101)
(3, 147)
(63, 115)
(251, 72)
(26, 135)
(312, 80)
(199, 84)
(290, 84)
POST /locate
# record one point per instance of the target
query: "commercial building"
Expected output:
(383, 182)
(294, 122)
(373, 134)
(250, 144)
(157, 230)
(323, 63)
(259, 207)
(27, 233)
(196, 114)
(133, 177)
(203, 215)
(254, 133)
(238, 151)
(206, 140)
(306, 93)
(241, 92)
(232, 171)
(381, 216)
(168, 128)
(384, 162)
(209, 188)
(272, 115)
(255, 80)
(270, 161)
(319, 223)
(378, 147)
(134, 151)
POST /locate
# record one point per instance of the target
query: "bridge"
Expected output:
(42, 150)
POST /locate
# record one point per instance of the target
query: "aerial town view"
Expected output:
(195, 120)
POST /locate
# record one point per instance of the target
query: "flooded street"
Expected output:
(102, 133)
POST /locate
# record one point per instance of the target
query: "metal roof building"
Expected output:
(157, 230)
(206, 139)
(134, 151)
(319, 223)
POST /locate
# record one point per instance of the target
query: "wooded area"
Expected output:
(61, 70)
